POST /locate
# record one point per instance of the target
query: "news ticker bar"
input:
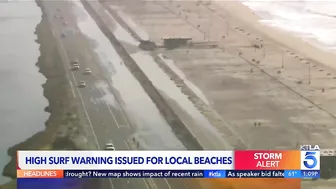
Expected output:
(295, 174)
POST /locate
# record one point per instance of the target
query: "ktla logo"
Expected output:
(310, 160)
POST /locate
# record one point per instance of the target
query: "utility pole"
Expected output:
(282, 60)
(210, 25)
(264, 50)
(309, 73)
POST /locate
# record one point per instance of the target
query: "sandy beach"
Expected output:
(289, 94)
(248, 17)
(264, 88)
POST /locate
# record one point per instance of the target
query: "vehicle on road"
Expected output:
(75, 67)
(74, 61)
(109, 146)
(65, 23)
(63, 35)
(82, 84)
(56, 16)
(87, 71)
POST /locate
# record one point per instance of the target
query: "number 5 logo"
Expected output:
(309, 157)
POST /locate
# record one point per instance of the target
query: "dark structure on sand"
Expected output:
(172, 43)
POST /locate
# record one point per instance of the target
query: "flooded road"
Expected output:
(22, 101)
(151, 128)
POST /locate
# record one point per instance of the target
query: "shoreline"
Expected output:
(62, 126)
(8, 170)
(284, 38)
(24, 102)
(311, 40)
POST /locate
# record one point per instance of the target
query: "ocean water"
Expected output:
(311, 20)
(21, 94)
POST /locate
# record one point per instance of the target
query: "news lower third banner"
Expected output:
(169, 164)
(84, 174)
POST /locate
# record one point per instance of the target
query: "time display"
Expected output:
(310, 174)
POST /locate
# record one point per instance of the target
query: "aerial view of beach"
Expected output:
(168, 75)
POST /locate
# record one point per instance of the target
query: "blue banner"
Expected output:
(88, 174)
(133, 174)
(174, 174)
(88, 179)
(254, 174)
(293, 174)
(310, 174)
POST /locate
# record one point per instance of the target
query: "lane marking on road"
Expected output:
(166, 181)
(80, 95)
(68, 78)
(147, 186)
(101, 92)
(112, 186)
(109, 108)
(81, 98)
(53, 32)
(117, 102)
(72, 89)
(129, 148)
(123, 114)
(120, 106)
(107, 81)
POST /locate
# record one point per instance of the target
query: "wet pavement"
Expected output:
(151, 129)
(113, 105)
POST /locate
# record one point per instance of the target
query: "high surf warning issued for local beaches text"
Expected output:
(296, 164)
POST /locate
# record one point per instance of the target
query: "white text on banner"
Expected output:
(125, 160)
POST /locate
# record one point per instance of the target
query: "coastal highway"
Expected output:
(103, 121)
